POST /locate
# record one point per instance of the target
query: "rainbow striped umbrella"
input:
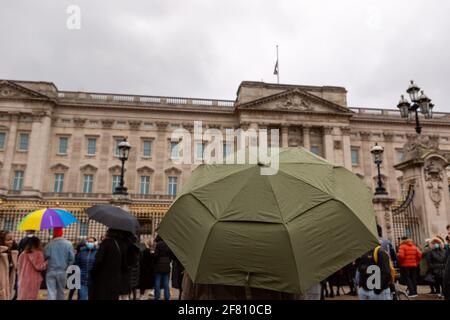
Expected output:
(46, 219)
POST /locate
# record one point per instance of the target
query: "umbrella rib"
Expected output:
(276, 199)
(354, 215)
(237, 193)
(203, 250)
(293, 256)
(302, 180)
(195, 197)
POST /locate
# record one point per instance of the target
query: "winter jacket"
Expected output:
(106, 272)
(436, 261)
(8, 269)
(163, 257)
(408, 254)
(146, 270)
(85, 259)
(446, 282)
(60, 255)
(30, 267)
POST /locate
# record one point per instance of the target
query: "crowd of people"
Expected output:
(119, 267)
(122, 268)
(408, 263)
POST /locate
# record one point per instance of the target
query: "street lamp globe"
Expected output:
(124, 150)
(403, 106)
(377, 153)
(429, 115)
(424, 103)
(413, 91)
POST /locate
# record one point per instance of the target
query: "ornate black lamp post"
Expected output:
(377, 152)
(418, 103)
(124, 150)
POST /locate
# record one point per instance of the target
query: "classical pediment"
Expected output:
(88, 168)
(173, 170)
(11, 90)
(294, 100)
(115, 169)
(145, 170)
(59, 167)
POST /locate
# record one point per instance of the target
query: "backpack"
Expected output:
(391, 264)
(369, 259)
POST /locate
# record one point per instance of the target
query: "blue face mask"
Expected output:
(436, 246)
(90, 245)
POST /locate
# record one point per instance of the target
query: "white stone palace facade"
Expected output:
(59, 147)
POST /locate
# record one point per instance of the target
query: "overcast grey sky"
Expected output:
(205, 48)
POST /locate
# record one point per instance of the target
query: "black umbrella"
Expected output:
(114, 218)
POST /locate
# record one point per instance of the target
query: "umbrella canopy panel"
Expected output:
(46, 219)
(285, 232)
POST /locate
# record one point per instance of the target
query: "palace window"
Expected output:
(226, 150)
(115, 182)
(200, 147)
(116, 143)
(63, 144)
(84, 229)
(144, 185)
(172, 186)
(91, 146)
(147, 148)
(400, 155)
(355, 156)
(18, 180)
(88, 181)
(59, 182)
(2, 140)
(23, 142)
(174, 150)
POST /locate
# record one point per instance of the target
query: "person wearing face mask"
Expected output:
(85, 259)
(437, 259)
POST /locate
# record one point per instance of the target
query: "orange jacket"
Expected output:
(408, 254)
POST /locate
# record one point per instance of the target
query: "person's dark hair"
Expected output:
(404, 238)
(94, 238)
(448, 226)
(33, 243)
(158, 238)
(379, 230)
(3, 234)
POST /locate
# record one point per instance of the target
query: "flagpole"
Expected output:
(278, 73)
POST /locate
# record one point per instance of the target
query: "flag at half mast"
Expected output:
(276, 70)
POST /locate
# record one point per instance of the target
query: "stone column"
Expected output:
(328, 143)
(75, 161)
(346, 147)
(284, 136)
(10, 149)
(37, 154)
(306, 137)
(161, 155)
(382, 205)
(425, 168)
(366, 158)
(390, 162)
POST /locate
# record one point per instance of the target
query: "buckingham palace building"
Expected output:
(59, 148)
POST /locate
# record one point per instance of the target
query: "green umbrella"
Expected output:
(284, 232)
